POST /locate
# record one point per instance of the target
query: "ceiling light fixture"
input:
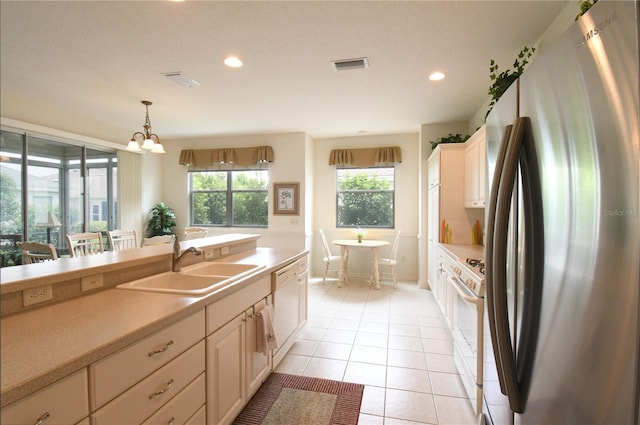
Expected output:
(437, 76)
(149, 140)
(233, 62)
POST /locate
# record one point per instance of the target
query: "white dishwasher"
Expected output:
(286, 308)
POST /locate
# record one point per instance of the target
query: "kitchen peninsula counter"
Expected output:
(42, 345)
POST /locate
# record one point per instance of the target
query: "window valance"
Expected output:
(206, 158)
(366, 157)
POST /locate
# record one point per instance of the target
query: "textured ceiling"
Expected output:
(85, 66)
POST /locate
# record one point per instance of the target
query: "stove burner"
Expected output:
(475, 263)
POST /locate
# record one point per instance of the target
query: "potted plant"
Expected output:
(162, 219)
(451, 138)
(502, 81)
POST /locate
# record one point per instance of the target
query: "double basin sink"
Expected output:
(196, 280)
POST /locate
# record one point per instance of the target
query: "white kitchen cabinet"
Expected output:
(155, 391)
(226, 372)
(116, 373)
(234, 369)
(258, 364)
(63, 402)
(475, 170)
(183, 406)
(447, 220)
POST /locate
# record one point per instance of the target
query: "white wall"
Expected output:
(406, 208)
(289, 150)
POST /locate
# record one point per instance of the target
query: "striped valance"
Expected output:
(366, 157)
(206, 158)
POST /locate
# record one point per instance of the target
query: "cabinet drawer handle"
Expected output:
(162, 350)
(42, 418)
(172, 420)
(162, 391)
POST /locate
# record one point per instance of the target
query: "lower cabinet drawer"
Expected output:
(121, 370)
(63, 402)
(182, 407)
(149, 395)
(200, 418)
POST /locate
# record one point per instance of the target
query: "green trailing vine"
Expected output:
(501, 81)
(451, 138)
(584, 6)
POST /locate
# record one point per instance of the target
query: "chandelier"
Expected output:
(147, 140)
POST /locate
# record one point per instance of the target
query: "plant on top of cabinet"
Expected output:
(451, 138)
(162, 219)
(584, 7)
(503, 80)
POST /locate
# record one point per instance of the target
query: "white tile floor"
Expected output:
(394, 341)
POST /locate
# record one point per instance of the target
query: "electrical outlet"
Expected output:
(224, 250)
(208, 253)
(88, 283)
(37, 295)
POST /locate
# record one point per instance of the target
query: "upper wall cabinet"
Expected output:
(475, 170)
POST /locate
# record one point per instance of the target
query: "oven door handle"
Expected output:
(462, 292)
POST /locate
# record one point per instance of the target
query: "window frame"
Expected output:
(338, 192)
(229, 192)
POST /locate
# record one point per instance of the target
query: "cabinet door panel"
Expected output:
(226, 372)
(258, 365)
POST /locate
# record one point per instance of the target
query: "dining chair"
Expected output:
(328, 256)
(389, 263)
(36, 252)
(120, 239)
(81, 244)
(157, 240)
(195, 233)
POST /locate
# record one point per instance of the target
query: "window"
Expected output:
(63, 183)
(229, 198)
(365, 197)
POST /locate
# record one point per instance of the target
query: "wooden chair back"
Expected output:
(36, 252)
(195, 233)
(81, 244)
(120, 240)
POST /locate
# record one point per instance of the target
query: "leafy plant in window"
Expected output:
(162, 219)
(365, 198)
(502, 81)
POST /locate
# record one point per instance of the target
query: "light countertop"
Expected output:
(43, 345)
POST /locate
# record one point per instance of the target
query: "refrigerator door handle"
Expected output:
(503, 209)
(489, 293)
(533, 269)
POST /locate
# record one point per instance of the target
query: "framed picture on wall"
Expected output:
(285, 198)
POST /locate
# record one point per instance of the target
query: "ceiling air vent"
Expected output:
(181, 79)
(344, 64)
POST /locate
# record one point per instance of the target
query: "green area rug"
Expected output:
(293, 400)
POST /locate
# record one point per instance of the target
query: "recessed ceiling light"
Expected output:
(437, 76)
(233, 62)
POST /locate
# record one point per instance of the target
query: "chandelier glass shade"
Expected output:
(145, 141)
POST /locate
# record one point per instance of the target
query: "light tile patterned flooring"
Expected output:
(394, 341)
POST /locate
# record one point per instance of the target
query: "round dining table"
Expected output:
(348, 244)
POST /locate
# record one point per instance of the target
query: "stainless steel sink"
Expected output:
(196, 281)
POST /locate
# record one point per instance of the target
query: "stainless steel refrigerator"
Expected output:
(562, 242)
